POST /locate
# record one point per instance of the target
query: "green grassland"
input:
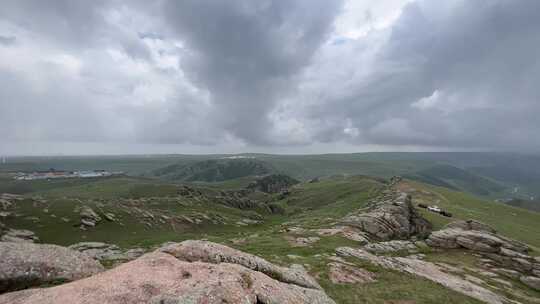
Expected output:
(309, 205)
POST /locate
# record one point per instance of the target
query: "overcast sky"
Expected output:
(303, 76)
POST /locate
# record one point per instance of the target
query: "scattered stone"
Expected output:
(391, 247)
(350, 233)
(19, 236)
(426, 270)
(347, 274)
(111, 217)
(302, 241)
(26, 265)
(294, 230)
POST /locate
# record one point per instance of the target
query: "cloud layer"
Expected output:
(242, 75)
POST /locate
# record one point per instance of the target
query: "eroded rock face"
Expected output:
(209, 252)
(180, 276)
(426, 270)
(390, 216)
(24, 265)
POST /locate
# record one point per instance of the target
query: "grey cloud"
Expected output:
(480, 55)
(245, 53)
(7, 40)
(458, 74)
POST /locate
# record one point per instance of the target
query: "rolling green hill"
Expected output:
(488, 175)
(215, 170)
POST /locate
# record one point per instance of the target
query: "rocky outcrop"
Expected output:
(506, 256)
(389, 216)
(89, 218)
(189, 272)
(475, 236)
(25, 265)
(18, 236)
(428, 271)
(209, 252)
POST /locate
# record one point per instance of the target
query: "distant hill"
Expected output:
(457, 179)
(215, 170)
(525, 204)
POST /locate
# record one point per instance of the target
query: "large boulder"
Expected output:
(209, 252)
(478, 237)
(25, 265)
(475, 236)
(89, 218)
(198, 275)
(390, 216)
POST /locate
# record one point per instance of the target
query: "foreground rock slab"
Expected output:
(209, 252)
(161, 277)
(428, 271)
(24, 265)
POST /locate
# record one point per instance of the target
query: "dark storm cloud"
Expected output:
(458, 76)
(246, 52)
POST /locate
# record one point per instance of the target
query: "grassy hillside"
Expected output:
(488, 175)
(517, 223)
(215, 170)
(151, 212)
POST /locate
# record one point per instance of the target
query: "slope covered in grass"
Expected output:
(517, 223)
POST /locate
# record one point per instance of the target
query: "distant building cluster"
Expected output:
(55, 174)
